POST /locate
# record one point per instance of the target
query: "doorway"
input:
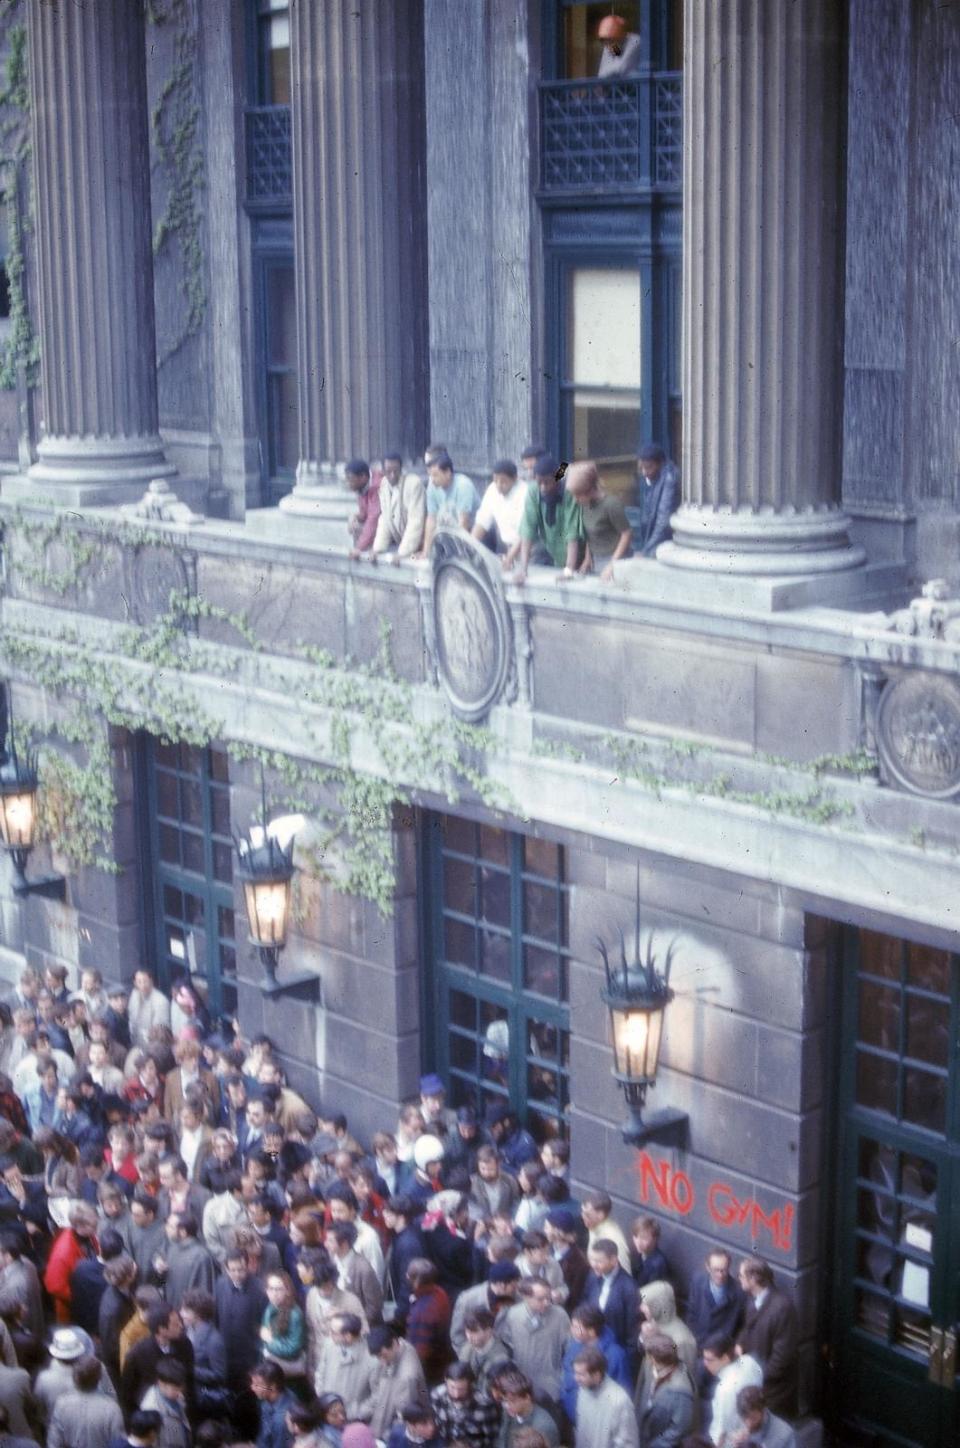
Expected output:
(897, 1310)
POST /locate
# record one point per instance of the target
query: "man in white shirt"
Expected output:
(497, 523)
(345, 1209)
(403, 512)
(732, 1373)
(148, 1007)
(621, 54)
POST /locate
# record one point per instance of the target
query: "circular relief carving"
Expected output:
(918, 733)
(157, 573)
(471, 649)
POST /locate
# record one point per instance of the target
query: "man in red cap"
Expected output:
(621, 48)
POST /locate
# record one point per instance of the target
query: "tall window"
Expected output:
(603, 373)
(270, 202)
(498, 960)
(273, 52)
(185, 808)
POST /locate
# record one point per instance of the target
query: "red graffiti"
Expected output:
(672, 1190)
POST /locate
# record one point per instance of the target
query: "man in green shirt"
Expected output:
(609, 535)
(551, 529)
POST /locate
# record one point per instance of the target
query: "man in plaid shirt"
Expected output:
(461, 1412)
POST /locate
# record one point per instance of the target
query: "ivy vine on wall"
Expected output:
(350, 808)
(20, 350)
(174, 126)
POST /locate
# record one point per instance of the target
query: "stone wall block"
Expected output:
(713, 1044)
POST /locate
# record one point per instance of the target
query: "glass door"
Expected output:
(187, 816)
(497, 970)
(899, 1267)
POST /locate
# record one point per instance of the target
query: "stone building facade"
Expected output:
(382, 223)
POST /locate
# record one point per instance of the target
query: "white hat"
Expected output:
(68, 1343)
(426, 1149)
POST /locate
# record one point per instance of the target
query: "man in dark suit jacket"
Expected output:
(716, 1303)
(770, 1334)
(167, 1339)
(658, 497)
(615, 1293)
(561, 1230)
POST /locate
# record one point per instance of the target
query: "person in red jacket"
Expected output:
(71, 1246)
(428, 1321)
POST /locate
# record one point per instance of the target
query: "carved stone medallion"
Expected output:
(918, 734)
(153, 574)
(471, 624)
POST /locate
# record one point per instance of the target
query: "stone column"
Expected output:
(94, 252)
(359, 208)
(763, 290)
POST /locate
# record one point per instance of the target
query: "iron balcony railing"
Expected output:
(612, 135)
(268, 157)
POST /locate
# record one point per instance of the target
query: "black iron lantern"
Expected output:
(266, 874)
(637, 995)
(266, 871)
(19, 795)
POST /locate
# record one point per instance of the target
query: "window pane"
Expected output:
(219, 766)
(220, 811)
(167, 803)
(195, 912)
(541, 857)
(172, 902)
(608, 429)
(191, 803)
(541, 971)
(540, 912)
(169, 844)
(192, 852)
(929, 969)
(544, 1128)
(460, 886)
(928, 1030)
(463, 1054)
(228, 960)
(459, 943)
(495, 955)
(604, 327)
(463, 1010)
(876, 1083)
(496, 1043)
(495, 897)
(873, 1315)
(880, 954)
(191, 759)
(925, 1099)
(222, 862)
(879, 1019)
(543, 1086)
(225, 922)
(494, 845)
(167, 754)
(459, 835)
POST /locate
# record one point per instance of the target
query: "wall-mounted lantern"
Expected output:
(19, 791)
(266, 871)
(637, 996)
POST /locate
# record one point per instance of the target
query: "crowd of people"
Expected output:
(550, 515)
(192, 1255)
